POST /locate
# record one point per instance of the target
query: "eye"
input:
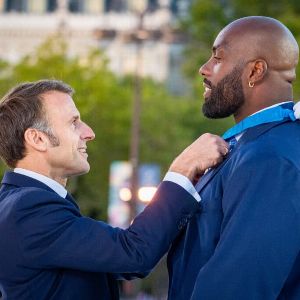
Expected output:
(74, 123)
(217, 58)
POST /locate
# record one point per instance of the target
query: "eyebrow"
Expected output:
(215, 48)
(75, 118)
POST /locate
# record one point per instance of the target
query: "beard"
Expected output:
(226, 97)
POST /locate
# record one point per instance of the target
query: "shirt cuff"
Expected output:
(184, 182)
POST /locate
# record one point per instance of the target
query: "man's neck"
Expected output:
(40, 169)
(54, 185)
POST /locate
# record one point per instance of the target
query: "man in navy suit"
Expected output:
(244, 242)
(48, 250)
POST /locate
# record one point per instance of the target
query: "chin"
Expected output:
(83, 170)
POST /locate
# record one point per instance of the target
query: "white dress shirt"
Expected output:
(52, 184)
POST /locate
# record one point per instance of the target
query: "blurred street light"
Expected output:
(146, 193)
(125, 194)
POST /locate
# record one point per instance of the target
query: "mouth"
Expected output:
(207, 90)
(82, 151)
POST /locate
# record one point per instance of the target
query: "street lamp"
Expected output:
(139, 35)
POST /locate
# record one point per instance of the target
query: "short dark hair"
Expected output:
(22, 108)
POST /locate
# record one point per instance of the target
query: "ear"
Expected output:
(258, 70)
(36, 139)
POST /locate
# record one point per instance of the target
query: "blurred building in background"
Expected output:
(107, 24)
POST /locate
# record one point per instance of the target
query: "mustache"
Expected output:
(207, 82)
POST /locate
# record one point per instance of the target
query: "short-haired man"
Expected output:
(48, 250)
(245, 242)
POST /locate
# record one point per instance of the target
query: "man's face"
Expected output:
(68, 157)
(222, 74)
(226, 97)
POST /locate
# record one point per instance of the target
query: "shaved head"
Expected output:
(265, 38)
(253, 66)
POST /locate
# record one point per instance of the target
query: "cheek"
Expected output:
(72, 138)
(217, 68)
(244, 82)
(69, 146)
(218, 72)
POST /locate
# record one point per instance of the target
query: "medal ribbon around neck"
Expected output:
(278, 113)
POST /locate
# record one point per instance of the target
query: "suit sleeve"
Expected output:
(260, 237)
(53, 234)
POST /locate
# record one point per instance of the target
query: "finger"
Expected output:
(222, 150)
(225, 151)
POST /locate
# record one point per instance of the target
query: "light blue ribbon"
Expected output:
(274, 114)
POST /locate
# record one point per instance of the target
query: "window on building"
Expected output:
(76, 6)
(16, 5)
(176, 82)
(174, 6)
(116, 5)
(152, 5)
(51, 5)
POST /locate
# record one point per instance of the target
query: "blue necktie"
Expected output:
(232, 143)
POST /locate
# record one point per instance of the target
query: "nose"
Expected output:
(204, 70)
(87, 133)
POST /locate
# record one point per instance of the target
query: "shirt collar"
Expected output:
(54, 185)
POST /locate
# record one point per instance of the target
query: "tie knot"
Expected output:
(232, 142)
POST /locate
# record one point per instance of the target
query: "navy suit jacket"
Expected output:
(48, 250)
(244, 243)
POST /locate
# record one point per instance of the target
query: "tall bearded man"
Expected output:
(244, 243)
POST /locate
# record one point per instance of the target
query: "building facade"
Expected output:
(108, 24)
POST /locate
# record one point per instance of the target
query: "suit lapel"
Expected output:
(72, 200)
(249, 135)
(20, 180)
(15, 179)
(209, 175)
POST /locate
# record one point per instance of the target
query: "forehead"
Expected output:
(225, 40)
(233, 45)
(59, 105)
